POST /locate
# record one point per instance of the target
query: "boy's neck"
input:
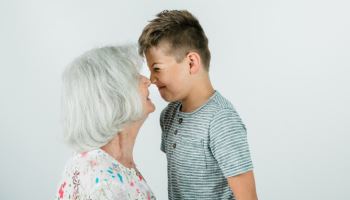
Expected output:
(198, 96)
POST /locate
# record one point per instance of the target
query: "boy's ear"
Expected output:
(194, 61)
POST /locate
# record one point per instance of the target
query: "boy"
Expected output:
(202, 135)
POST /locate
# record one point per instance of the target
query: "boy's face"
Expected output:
(171, 78)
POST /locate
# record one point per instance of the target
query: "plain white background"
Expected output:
(283, 64)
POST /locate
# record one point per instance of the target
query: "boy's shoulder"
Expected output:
(224, 113)
(219, 102)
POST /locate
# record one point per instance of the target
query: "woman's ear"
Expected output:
(194, 62)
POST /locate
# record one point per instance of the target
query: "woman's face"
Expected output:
(148, 106)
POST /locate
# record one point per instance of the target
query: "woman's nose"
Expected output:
(146, 81)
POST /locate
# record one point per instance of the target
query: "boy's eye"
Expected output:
(156, 69)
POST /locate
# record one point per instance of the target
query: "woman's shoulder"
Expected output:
(96, 175)
(85, 162)
(89, 166)
(84, 174)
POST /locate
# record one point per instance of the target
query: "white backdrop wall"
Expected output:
(284, 65)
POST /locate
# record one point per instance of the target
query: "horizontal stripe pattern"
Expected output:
(203, 148)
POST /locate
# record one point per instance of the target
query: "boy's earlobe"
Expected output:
(194, 68)
(194, 62)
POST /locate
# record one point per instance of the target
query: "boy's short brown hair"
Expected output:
(181, 30)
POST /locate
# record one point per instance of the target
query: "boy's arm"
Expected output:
(243, 186)
(229, 145)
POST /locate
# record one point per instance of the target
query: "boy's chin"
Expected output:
(168, 98)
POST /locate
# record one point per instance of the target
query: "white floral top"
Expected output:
(96, 175)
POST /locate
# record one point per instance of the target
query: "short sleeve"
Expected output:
(228, 143)
(162, 144)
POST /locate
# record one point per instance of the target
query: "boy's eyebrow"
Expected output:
(153, 65)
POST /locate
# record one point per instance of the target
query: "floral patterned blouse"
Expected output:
(96, 175)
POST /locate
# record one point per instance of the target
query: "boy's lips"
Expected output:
(161, 87)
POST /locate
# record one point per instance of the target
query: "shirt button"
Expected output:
(180, 120)
(174, 145)
(175, 133)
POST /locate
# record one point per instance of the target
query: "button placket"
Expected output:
(180, 120)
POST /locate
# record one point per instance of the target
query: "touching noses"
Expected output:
(146, 81)
(153, 79)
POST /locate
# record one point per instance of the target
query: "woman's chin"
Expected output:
(149, 107)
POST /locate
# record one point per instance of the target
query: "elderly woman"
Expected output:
(105, 102)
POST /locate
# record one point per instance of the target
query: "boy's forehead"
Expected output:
(160, 51)
(160, 48)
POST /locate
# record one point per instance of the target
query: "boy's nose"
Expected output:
(153, 79)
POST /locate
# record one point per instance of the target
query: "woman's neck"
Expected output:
(121, 147)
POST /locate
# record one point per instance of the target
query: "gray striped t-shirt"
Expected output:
(203, 148)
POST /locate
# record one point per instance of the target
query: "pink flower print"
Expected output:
(61, 190)
(93, 163)
(83, 154)
(140, 177)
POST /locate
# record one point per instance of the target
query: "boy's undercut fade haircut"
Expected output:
(181, 30)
